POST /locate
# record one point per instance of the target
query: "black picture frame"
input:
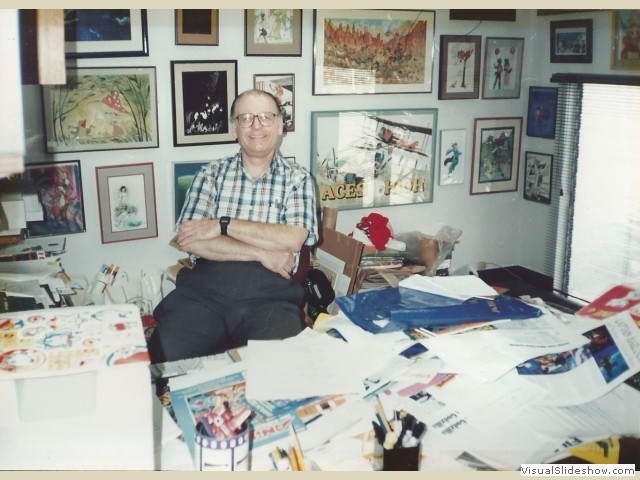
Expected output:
(202, 93)
(538, 176)
(542, 112)
(93, 33)
(571, 41)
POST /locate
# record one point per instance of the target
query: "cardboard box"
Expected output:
(75, 390)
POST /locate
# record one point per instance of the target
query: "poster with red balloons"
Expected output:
(502, 67)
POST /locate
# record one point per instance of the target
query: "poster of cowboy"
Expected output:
(373, 158)
(102, 109)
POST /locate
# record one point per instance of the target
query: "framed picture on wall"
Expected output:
(58, 186)
(373, 158)
(502, 67)
(281, 86)
(625, 41)
(196, 27)
(453, 145)
(94, 33)
(388, 51)
(183, 173)
(127, 202)
(459, 67)
(538, 172)
(202, 94)
(106, 108)
(571, 41)
(273, 32)
(496, 155)
(541, 114)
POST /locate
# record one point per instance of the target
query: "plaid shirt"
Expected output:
(285, 194)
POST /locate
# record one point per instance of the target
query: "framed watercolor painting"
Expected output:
(281, 86)
(389, 51)
(502, 67)
(202, 94)
(273, 32)
(538, 172)
(453, 146)
(496, 155)
(58, 186)
(127, 202)
(94, 33)
(183, 173)
(459, 67)
(196, 27)
(373, 158)
(106, 108)
(625, 41)
(541, 114)
(571, 41)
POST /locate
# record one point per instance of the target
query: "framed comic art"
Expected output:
(373, 158)
(496, 155)
(127, 202)
(502, 67)
(273, 32)
(459, 67)
(453, 146)
(386, 51)
(281, 86)
(106, 108)
(541, 114)
(571, 41)
(625, 41)
(196, 27)
(202, 94)
(183, 173)
(58, 186)
(538, 172)
(94, 33)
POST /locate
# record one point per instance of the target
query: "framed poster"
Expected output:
(202, 94)
(571, 41)
(459, 67)
(127, 202)
(496, 155)
(389, 51)
(373, 158)
(538, 172)
(502, 67)
(541, 114)
(281, 86)
(625, 41)
(453, 144)
(273, 32)
(183, 173)
(58, 186)
(94, 33)
(196, 27)
(106, 108)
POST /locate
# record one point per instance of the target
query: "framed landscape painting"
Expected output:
(388, 51)
(373, 158)
(106, 108)
(571, 41)
(496, 155)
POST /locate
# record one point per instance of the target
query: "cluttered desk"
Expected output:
(492, 392)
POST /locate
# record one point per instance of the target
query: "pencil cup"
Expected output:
(401, 459)
(226, 454)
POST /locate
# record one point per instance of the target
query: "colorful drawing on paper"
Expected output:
(496, 155)
(128, 209)
(273, 26)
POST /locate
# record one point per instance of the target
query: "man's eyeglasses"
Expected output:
(266, 119)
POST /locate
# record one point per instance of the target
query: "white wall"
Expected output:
(499, 228)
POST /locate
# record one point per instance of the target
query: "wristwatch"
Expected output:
(224, 222)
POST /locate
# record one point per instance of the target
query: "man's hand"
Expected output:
(281, 263)
(197, 230)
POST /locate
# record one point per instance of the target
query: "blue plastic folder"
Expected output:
(409, 308)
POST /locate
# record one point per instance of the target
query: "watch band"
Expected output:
(224, 222)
